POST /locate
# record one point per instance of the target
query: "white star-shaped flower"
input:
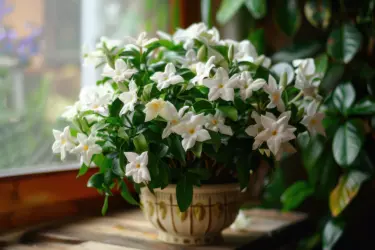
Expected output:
(192, 131)
(283, 68)
(276, 132)
(175, 118)
(166, 78)
(110, 44)
(242, 51)
(202, 70)
(121, 72)
(255, 129)
(92, 58)
(306, 79)
(87, 148)
(247, 84)
(189, 60)
(71, 112)
(129, 98)
(155, 108)
(274, 93)
(64, 142)
(140, 43)
(221, 86)
(313, 119)
(137, 167)
(217, 123)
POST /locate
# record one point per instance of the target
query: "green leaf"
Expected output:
(125, 193)
(296, 51)
(206, 12)
(363, 107)
(83, 170)
(344, 42)
(343, 97)
(332, 77)
(197, 149)
(318, 13)
(117, 168)
(105, 205)
(257, 8)
(140, 143)
(345, 191)
(230, 112)
(256, 37)
(296, 194)
(122, 134)
(202, 105)
(115, 107)
(176, 148)
(96, 181)
(228, 9)
(288, 16)
(347, 142)
(146, 93)
(138, 117)
(184, 193)
(321, 63)
(331, 234)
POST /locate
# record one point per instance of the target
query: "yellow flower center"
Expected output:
(214, 121)
(95, 106)
(155, 105)
(192, 131)
(275, 97)
(274, 132)
(221, 86)
(85, 147)
(138, 165)
(313, 122)
(174, 122)
(63, 141)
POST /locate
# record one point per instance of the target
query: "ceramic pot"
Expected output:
(214, 207)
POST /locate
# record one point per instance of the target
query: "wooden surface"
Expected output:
(129, 230)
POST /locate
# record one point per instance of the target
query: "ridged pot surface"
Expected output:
(214, 207)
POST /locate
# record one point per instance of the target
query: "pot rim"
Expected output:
(202, 189)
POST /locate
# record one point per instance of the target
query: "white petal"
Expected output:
(272, 85)
(203, 135)
(175, 79)
(81, 138)
(131, 156)
(227, 94)
(211, 83)
(281, 68)
(274, 144)
(224, 129)
(169, 69)
(188, 143)
(257, 84)
(214, 94)
(144, 158)
(252, 130)
(167, 131)
(280, 106)
(56, 134)
(120, 65)
(264, 135)
(267, 122)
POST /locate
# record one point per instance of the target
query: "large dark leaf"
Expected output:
(321, 63)
(176, 148)
(230, 112)
(257, 8)
(344, 42)
(288, 16)
(96, 181)
(296, 194)
(345, 191)
(318, 12)
(257, 39)
(184, 193)
(364, 107)
(125, 193)
(297, 50)
(332, 77)
(228, 9)
(347, 142)
(343, 97)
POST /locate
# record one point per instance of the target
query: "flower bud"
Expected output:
(202, 53)
(283, 80)
(231, 52)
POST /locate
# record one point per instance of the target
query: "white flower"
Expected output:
(110, 44)
(71, 111)
(92, 58)
(247, 85)
(137, 167)
(283, 68)
(255, 129)
(87, 147)
(189, 60)
(263, 60)
(157, 107)
(202, 70)
(164, 35)
(241, 223)
(221, 86)
(192, 130)
(166, 78)
(274, 93)
(64, 142)
(95, 98)
(197, 31)
(285, 147)
(306, 79)
(276, 131)
(242, 51)
(313, 120)
(140, 43)
(175, 118)
(129, 98)
(121, 72)
(217, 123)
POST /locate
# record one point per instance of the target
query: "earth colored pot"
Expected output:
(214, 207)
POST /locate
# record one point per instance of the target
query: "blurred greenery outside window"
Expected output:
(41, 69)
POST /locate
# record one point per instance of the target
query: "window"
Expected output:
(41, 71)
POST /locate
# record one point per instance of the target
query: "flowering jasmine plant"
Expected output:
(187, 109)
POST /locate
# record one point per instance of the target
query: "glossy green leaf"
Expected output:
(318, 12)
(228, 9)
(125, 193)
(197, 149)
(184, 193)
(347, 142)
(230, 112)
(257, 38)
(343, 97)
(287, 16)
(321, 63)
(364, 107)
(140, 143)
(257, 8)
(82, 170)
(175, 147)
(344, 42)
(332, 77)
(345, 191)
(202, 105)
(331, 234)
(206, 12)
(105, 205)
(296, 194)
(96, 181)
(297, 51)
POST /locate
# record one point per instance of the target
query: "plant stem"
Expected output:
(296, 97)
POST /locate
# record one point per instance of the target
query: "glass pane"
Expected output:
(41, 70)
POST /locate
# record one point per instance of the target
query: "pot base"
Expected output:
(190, 240)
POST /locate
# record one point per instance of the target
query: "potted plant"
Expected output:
(186, 118)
